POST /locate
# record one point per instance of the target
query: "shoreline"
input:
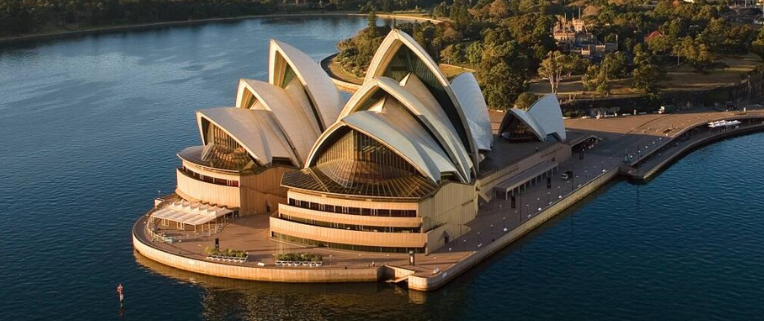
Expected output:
(62, 34)
(419, 279)
(665, 161)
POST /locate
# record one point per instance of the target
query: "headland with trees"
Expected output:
(607, 48)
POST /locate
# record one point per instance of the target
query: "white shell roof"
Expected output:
(298, 124)
(471, 99)
(543, 118)
(384, 55)
(527, 119)
(318, 85)
(255, 130)
(548, 114)
(401, 133)
(437, 126)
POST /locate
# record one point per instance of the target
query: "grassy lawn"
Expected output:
(679, 79)
(341, 74)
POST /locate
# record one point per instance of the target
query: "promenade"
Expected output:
(651, 140)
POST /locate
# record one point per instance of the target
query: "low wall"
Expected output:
(670, 159)
(345, 86)
(430, 283)
(339, 83)
(269, 274)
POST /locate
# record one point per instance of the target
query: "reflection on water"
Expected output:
(227, 298)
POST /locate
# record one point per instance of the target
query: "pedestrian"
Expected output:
(121, 293)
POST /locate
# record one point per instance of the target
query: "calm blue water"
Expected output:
(90, 126)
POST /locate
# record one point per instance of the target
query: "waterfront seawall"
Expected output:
(434, 282)
(669, 158)
(268, 274)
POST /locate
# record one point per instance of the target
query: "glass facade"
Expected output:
(222, 151)
(359, 159)
(517, 131)
(351, 210)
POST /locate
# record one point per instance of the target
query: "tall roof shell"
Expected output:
(400, 133)
(385, 55)
(425, 110)
(471, 99)
(323, 95)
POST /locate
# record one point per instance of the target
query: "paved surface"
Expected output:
(637, 135)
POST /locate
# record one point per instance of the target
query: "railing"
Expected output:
(152, 227)
(299, 263)
(225, 258)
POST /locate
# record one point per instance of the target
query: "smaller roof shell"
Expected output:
(544, 118)
(255, 130)
(297, 123)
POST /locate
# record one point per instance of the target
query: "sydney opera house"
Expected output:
(396, 168)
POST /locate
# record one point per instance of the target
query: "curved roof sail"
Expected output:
(299, 127)
(548, 114)
(526, 119)
(400, 133)
(255, 130)
(471, 99)
(399, 55)
(428, 115)
(544, 118)
(287, 63)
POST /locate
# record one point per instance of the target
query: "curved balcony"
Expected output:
(308, 214)
(191, 188)
(338, 236)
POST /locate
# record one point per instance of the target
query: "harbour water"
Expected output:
(90, 126)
